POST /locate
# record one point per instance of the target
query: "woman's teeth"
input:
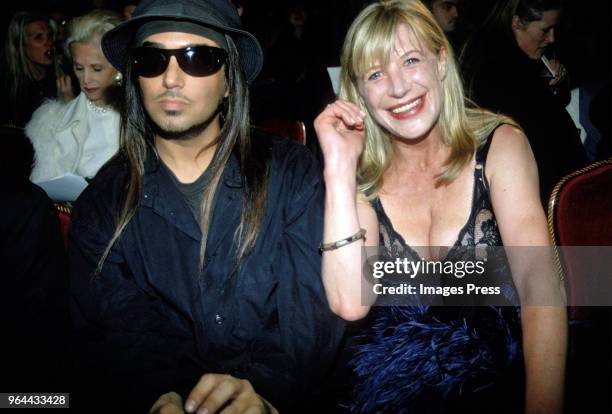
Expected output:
(407, 107)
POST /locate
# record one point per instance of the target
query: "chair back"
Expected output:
(284, 127)
(64, 213)
(580, 214)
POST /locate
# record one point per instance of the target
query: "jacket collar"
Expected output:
(161, 195)
(231, 174)
(76, 112)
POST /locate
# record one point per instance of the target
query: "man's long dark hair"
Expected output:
(137, 139)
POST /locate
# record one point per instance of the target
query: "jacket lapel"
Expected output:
(160, 194)
(226, 214)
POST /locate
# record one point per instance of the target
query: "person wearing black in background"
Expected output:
(505, 70)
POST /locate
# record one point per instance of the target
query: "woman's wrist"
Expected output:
(340, 176)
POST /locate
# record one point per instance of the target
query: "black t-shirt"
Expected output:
(192, 192)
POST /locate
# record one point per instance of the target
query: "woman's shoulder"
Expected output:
(53, 113)
(509, 150)
(50, 112)
(508, 137)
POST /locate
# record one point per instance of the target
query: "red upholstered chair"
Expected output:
(580, 214)
(284, 127)
(64, 213)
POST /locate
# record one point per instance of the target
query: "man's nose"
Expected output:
(173, 77)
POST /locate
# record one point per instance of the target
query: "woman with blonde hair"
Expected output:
(408, 164)
(27, 76)
(80, 136)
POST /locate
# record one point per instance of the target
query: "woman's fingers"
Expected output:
(558, 69)
(64, 88)
(350, 113)
(340, 114)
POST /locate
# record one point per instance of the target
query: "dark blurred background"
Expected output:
(583, 41)
(301, 38)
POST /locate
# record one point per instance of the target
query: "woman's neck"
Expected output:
(37, 71)
(422, 154)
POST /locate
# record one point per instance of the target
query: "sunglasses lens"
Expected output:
(202, 60)
(149, 62)
(195, 60)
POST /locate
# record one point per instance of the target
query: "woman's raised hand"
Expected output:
(64, 88)
(559, 71)
(341, 133)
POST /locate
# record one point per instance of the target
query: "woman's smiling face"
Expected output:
(405, 96)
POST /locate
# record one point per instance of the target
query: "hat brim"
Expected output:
(116, 42)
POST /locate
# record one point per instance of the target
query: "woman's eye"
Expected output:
(375, 75)
(78, 68)
(411, 61)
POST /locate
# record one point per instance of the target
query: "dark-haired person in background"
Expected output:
(194, 254)
(504, 70)
(449, 16)
(34, 282)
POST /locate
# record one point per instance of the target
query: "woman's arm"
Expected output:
(341, 136)
(513, 177)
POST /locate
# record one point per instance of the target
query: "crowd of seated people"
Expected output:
(81, 135)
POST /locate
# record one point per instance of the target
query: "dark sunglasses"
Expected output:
(193, 60)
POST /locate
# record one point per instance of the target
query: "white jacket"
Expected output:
(58, 131)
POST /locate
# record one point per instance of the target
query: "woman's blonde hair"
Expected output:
(90, 27)
(369, 42)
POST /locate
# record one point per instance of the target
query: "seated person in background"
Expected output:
(504, 71)
(34, 282)
(80, 136)
(27, 76)
(194, 253)
(447, 14)
(409, 163)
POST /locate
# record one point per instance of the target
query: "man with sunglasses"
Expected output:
(194, 253)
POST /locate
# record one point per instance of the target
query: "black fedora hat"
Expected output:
(219, 15)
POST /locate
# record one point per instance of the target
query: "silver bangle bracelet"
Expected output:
(323, 247)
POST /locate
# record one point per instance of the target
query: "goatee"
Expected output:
(184, 134)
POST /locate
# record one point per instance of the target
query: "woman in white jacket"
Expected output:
(80, 136)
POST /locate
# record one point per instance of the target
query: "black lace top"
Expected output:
(436, 358)
(480, 228)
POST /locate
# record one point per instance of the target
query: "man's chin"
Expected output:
(180, 130)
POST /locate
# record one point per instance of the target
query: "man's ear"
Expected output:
(442, 61)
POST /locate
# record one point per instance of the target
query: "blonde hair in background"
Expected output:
(369, 42)
(90, 27)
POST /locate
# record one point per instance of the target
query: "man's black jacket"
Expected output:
(149, 323)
